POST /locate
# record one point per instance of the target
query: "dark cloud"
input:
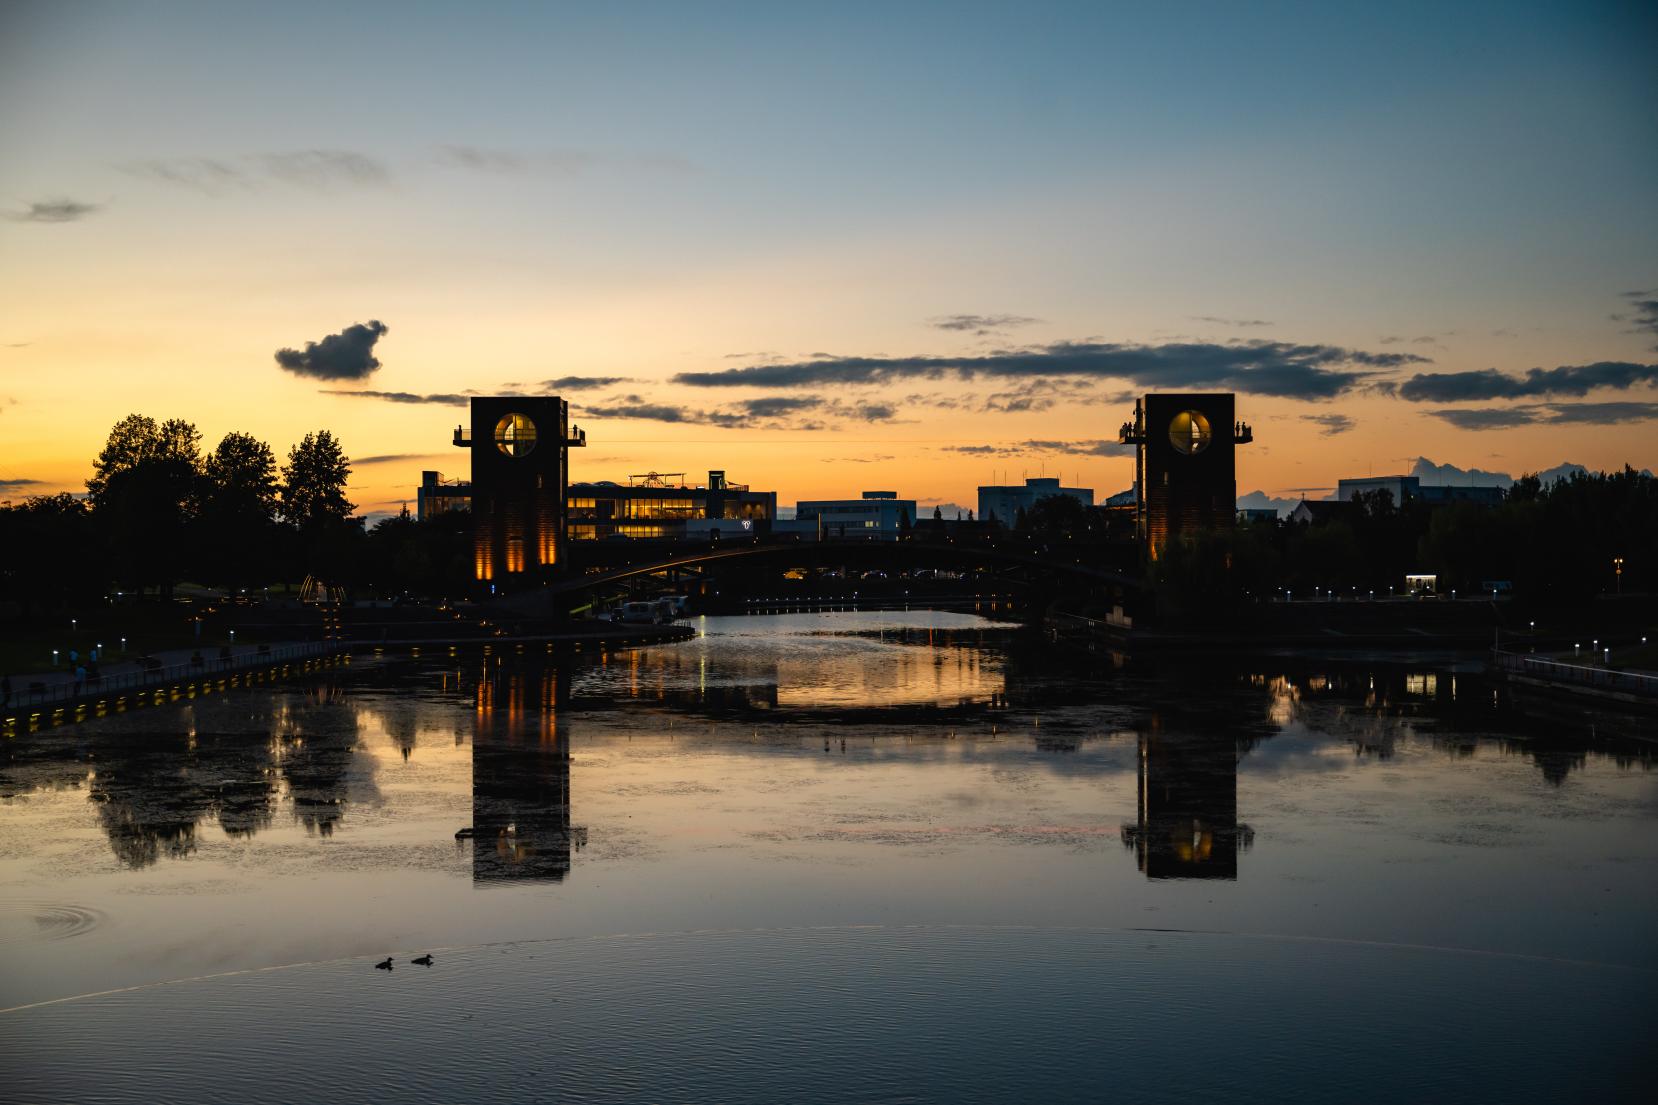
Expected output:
(1096, 447)
(1609, 414)
(1257, 367)
(978, 450)
(348, 355)
(1331, 424)
(1486, 418)
(1488, 383)
(1499, 418)
(980, 325)
(18, 485)
(582, 383)
(460, 399)
(1644, 313)
(772, 412)
(390, 458)
(1240, 322)
(54, 211)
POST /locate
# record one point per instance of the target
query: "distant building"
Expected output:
(1185, 466)
(437, 495)
(662, 505)
(1400, 487)
(1317, 512)
(878, 516)
(1258, 515)
(520, 448)
(1406, 488)
(1003, 502)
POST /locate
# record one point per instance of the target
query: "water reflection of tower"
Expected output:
(1188, 817)
(521, 778)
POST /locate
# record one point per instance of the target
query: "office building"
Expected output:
(437, 495)
(878, 516)
(1003, 502)
(661, 505)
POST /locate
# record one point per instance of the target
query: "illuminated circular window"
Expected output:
(515, 435)
(1189, 432)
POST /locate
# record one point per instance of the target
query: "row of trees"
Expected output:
(159, 510)
(1559, 543)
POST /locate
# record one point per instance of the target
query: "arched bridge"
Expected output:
(890, 555)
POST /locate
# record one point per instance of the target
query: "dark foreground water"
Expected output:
(867, 857)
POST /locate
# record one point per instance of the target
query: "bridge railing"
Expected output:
(1585, 675)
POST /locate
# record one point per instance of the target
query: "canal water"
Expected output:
(895, 856)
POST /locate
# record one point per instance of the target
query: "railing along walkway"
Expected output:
(66, 691)
(1641, 684)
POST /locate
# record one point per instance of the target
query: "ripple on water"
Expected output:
(858, 1014)
(30, 922)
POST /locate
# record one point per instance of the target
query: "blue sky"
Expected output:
(524, 192)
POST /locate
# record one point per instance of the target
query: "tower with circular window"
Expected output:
(515, 435)
(1189, 432)
(1185, 464)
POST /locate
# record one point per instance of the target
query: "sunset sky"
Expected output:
(836, 246)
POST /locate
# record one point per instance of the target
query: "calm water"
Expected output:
(883, 857)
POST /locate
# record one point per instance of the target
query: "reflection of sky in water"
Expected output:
(820, 660)
(310, 823)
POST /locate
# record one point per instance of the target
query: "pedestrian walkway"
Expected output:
(167, 665)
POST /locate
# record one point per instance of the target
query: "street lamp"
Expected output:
(1617, 570)
(123, 644)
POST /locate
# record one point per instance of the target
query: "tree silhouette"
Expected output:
(313, 482)
(143, 491)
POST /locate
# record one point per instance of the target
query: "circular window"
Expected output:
(1189, 432)
(515, 435)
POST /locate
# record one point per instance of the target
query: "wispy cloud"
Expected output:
(348, 355)
(980, 325)
(555, 162)
(391, 458)
(445, 399)
(54, 211)
(1091, 447)
(13, 485)
(1239, 322)
(313, 170)
(1330, 424)
(1537, 383)
(582, 383)
(1257, 367)
(772, 412)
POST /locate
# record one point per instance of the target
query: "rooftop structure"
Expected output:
(663, 505)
